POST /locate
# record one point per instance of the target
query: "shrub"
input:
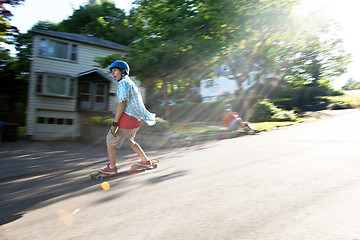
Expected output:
(108, 121)
(263, 112)
(284, 116)
(339, 105)
(266, 111)
(97, 120)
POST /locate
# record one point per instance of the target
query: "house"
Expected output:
(64, 83)
(212, 89)
(223, 85)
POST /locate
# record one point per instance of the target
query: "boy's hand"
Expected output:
(113, 128)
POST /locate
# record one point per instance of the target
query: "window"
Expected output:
(72, 88)
(73, 56)
(55, 85)
(43, 47)
(58, 121)
(39, 83)
(57, 49)
(85, 91)
(100, 93)
(92, 95)
(41, 120)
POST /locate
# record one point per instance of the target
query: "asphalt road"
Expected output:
(298, 182)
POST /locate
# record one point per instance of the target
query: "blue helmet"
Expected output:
(121, 65)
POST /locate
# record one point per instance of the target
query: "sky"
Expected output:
(31, 11)
(344, 11)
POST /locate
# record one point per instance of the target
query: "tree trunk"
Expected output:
(166, 100)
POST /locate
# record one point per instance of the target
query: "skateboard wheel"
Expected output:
(99, 177)
(155, 166)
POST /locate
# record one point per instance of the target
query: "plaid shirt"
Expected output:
(129, 92)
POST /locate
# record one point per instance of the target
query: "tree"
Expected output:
(181, 40)
(13, 90)
(351, 84)
(7, 31)
(101, 19)
(318, 58)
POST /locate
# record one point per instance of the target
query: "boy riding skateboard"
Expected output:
(129, 114)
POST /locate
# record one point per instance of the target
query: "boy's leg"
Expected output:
(136, 147)
(112, 155)
(112, 143)
(250, 126)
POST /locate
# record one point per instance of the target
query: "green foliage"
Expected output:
(98, 120)
(339, 105)
(351, 84)
(345, 101)
(177, 43)
(104, 62)
(264, 111)
(13, 89)
(249, 108)
(102, 19)
(7, 31)
(317, 62)
(182, 39)
(284, 116)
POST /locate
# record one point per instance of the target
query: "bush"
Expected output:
(266, 111)
(284, 116)
(101, 120)
(339, 105)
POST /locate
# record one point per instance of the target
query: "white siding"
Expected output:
(46, 131)
(36, 102)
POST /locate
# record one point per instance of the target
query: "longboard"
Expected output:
(135, 168)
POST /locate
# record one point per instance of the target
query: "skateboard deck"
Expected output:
(135, 168)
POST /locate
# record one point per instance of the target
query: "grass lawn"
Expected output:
(351, 100)
(271, 125)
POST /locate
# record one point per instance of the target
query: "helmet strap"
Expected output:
(122, 74)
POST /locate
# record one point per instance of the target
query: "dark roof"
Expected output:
(95, 70)
(83, 39)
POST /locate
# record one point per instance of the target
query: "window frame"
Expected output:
(72, 49)
(92, 95)
(43, 79)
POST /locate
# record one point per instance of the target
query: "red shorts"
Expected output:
(128, 122)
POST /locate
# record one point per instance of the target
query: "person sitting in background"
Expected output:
(234, 122)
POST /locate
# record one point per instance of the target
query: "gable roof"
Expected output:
(82, 38)
(97, 71)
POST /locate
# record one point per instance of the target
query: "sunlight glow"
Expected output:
(345, 12)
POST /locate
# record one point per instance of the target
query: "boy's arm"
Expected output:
(119, 110)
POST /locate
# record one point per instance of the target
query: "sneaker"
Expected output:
(144, 164)
(109, 170)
